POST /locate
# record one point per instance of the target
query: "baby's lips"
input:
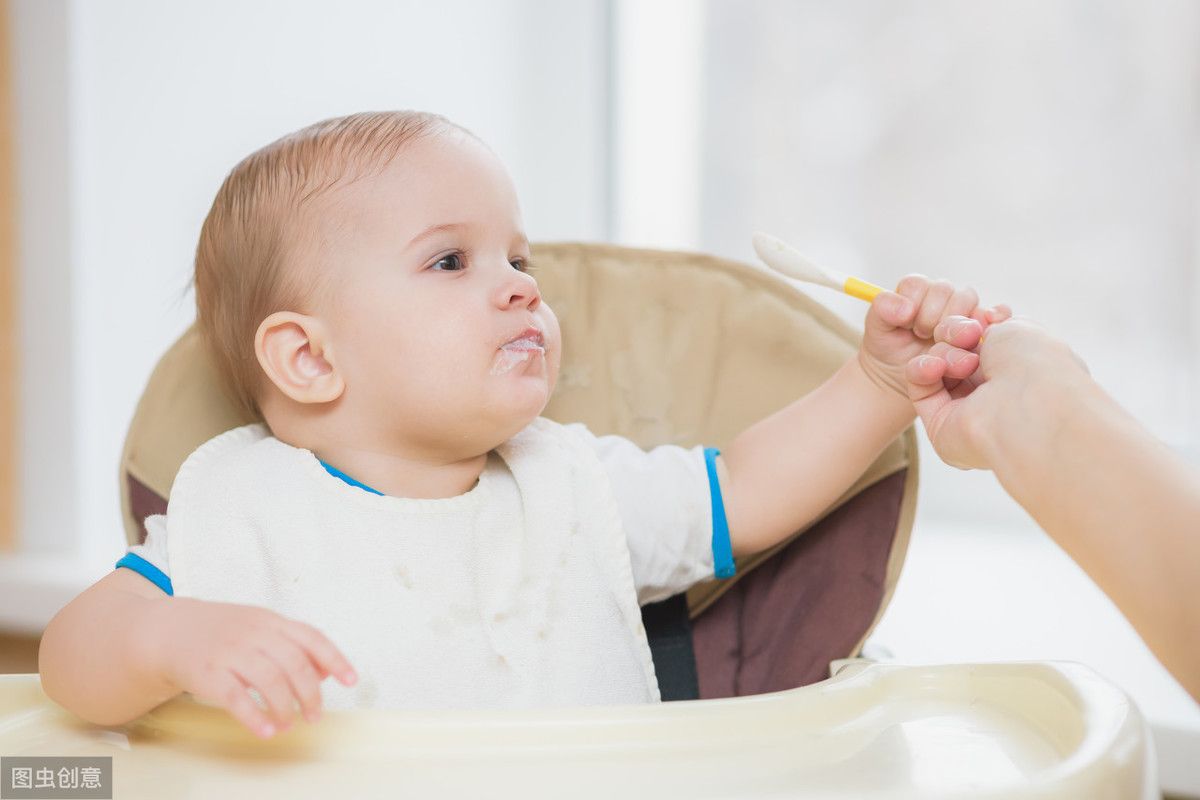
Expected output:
(523, 344)
(527, 339)
(510, 356)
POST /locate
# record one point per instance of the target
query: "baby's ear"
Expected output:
(295, 352)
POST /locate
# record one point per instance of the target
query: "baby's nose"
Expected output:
(520, 289)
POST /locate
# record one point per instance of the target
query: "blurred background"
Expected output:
(1046, 152)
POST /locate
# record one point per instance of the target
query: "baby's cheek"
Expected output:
(553, 362)
(553, 335)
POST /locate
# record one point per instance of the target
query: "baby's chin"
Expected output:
(496, 430)
(510, 408)
(523, 402)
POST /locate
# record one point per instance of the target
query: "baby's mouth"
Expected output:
(526, 346)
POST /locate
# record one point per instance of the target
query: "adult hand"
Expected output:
(1021, 366)
(1121, 503)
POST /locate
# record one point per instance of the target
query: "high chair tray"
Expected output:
(1021, 730)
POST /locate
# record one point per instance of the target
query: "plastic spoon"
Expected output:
(784, 258)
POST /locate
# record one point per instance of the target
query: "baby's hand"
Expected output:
(900, 326)
(218, 651)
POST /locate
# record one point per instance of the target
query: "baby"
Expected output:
(364, 286)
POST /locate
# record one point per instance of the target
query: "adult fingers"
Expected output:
(999, 313)
(960, 363)
(924, 378)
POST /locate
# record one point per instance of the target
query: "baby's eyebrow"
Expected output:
(434, 229)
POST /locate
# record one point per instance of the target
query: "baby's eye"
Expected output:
(521, 265)
(452, 262)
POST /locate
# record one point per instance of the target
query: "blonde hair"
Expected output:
(255, 226)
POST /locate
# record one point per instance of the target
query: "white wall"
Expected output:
(131, 112)
(46, 441)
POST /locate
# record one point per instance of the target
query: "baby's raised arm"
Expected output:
(123, 647)
(780, 473)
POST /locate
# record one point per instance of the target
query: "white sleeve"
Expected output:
(154, 549)
(665, 505)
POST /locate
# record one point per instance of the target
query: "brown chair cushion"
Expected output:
(811, 603)
(143, 502)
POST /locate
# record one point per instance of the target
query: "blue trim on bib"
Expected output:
(147, 570)
(723, 566)
(337, 473)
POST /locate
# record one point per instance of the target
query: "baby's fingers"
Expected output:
(962, 302)
(934, 306)
(890, 310)
(300, 673)
(259, 672)
(322, 651)
(960, 332)
(230, 693)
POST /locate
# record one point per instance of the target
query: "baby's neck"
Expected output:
(399, 475)
(415, 463)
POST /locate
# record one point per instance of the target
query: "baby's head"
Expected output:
(366, 279)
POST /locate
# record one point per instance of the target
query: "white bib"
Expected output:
(518, 593)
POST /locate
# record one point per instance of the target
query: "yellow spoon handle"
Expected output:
(861, 289)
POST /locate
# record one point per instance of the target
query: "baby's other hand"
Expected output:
(900, 326)
(219, 651)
